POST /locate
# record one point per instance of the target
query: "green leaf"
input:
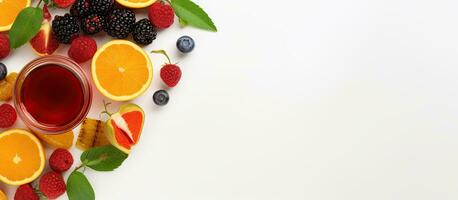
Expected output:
(79, 188)
(26, 26)
(182, 22)
(192, 14)
(106, 158)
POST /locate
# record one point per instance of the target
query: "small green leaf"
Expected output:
(193, 14)
(106, 158)
(182, 22)
(79, 188)
(26, 26)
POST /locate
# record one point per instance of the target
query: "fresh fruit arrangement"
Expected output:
(121, 71)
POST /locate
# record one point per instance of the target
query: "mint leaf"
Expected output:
(182, 22)
(79, 188)
(26, 26)
(106, 158)
(193, 14)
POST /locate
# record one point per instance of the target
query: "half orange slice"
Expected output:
(9, 10)
(121, 70)
(21, 156)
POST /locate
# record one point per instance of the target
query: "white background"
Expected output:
(316, 100)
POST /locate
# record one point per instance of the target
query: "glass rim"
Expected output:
(71, 66)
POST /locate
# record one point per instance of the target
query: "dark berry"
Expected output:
(161, 97)
(81, 8)
(185, 44)
(3, 71)
(92, 24)
(101, 7)
(119, 23)
(144, 32)
(65, 28)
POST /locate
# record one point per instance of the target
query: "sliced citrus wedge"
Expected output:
(21, 156)
(121, 70)
(64, 140)
(9, 10)
(136, 3)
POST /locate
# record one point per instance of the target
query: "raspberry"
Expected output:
(4, 46)
(161, 15)
(82, 49)
(25, 192)
(46, 14)
(63, 3)
(171, 74)
(8, 116)
(52, 185)
(61, 160)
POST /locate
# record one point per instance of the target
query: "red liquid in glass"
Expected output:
(53, 95)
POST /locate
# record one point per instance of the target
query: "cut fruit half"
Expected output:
(121, 70)
(9, 10)
(124, 128)
(21, 156)
(44, 43)
(136, 3)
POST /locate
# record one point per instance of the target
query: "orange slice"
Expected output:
(136, 3)
(10, 9)
(21, 156)
(121, 70)
(64, 140)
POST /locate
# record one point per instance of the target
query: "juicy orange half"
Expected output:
(121, 70)
(21, 156)
(9, 10)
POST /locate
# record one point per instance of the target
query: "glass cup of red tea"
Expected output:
(52, 95)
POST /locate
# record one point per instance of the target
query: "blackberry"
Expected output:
(101, 7)
(65, 28)
(81, 8)
(92, 24)
(144, 32)
(119, 23)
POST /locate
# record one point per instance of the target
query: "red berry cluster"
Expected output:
(51, 184)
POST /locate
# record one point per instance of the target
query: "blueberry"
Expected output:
(185, 44)
(3, 71)
(161, 97)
